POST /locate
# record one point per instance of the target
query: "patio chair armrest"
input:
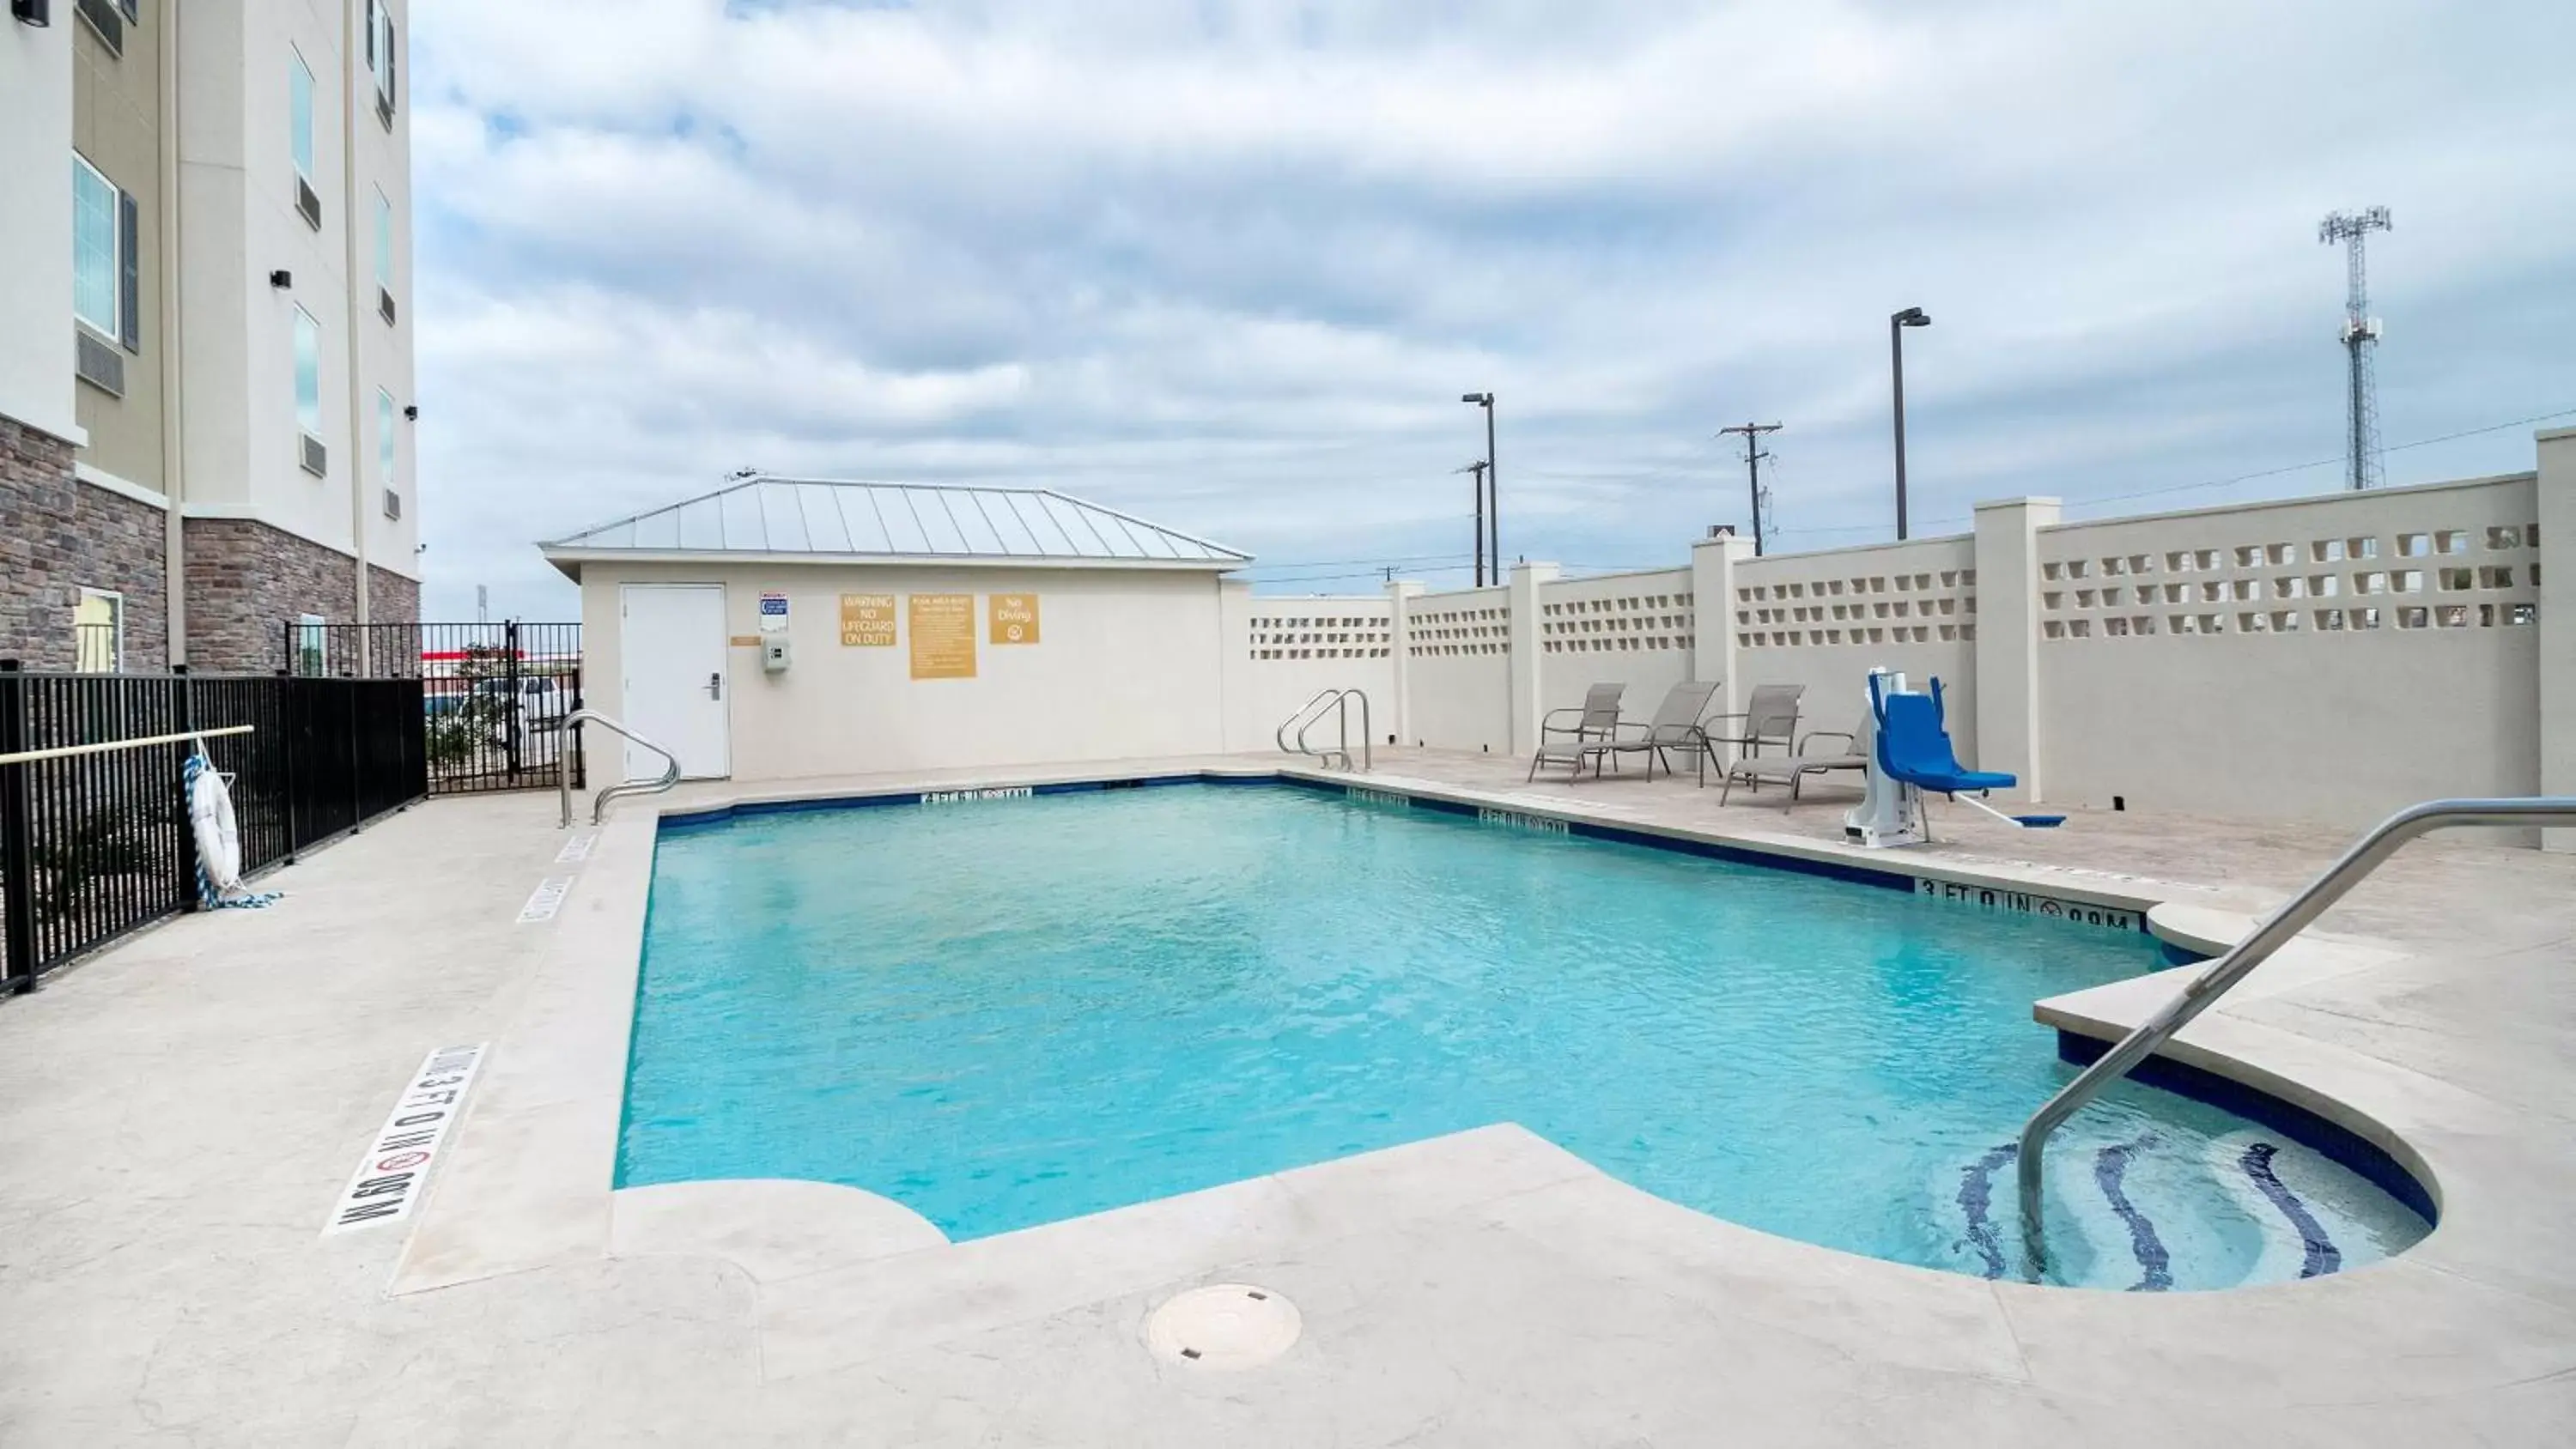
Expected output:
(1846, 736)
(1548, 725)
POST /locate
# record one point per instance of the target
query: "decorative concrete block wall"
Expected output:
(2318, 661)
(2326, 659)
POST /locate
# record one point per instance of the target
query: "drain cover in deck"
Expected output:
(1224, 1326)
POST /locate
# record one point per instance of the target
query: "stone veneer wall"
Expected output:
(59, 535)
(391, 597)
(246, 580)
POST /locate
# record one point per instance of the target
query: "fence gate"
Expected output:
(493, 696)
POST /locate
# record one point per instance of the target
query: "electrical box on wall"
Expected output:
(773, 654)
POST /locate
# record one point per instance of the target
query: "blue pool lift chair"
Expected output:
(1913, 743)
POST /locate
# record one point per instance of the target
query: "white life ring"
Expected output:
(210, 815)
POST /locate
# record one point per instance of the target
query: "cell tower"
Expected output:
(2360, 343)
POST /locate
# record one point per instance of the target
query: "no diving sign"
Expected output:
(389, 1177)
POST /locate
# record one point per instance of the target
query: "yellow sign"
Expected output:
(1014, 618)
(943, 635)
(867, 621)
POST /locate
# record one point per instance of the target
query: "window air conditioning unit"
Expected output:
(317, 459)
(308, 203)
(385, 305)
(98, 364)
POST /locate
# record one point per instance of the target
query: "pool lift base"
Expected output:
(1902, 737)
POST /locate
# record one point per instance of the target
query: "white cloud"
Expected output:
(1231, 265)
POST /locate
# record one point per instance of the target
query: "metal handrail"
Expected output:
(1297, 716)
(109, 747)
(1309, 714)
(2365, 856)
(599, 802)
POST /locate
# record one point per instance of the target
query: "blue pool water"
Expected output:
(1004, 1013)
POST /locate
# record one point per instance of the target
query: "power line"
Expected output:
(2172, 488)
(2323, 462)
(1440, 563)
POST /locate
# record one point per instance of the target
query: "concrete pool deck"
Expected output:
(178, 1114)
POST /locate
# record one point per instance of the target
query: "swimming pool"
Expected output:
(1007, 1012)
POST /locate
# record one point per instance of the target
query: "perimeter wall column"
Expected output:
(2557, 623)
(1526, 696)
(1399, 647)
(2007, 654)
(1713, 565)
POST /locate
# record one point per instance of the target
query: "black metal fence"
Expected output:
(94, 845)
(492, 695)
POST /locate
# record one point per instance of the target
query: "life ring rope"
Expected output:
(218, 835)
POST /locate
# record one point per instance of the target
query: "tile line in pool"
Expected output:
(1007, 1016)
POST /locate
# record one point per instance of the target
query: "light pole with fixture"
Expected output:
(1491, 507)
(1896, 325)
(1478, 468)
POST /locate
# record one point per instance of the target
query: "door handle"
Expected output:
(715, 686)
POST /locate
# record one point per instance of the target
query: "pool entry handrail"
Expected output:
(2366, 855)
(1309, 714)
(669, 777)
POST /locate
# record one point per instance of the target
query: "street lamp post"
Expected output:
(1492, 510)
(1478, 468)
(1896, 325)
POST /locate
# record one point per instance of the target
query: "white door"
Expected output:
(672, 644)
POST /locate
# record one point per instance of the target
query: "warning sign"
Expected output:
(943, 635)
(867, 621)
(1014, 618)
(773, 612)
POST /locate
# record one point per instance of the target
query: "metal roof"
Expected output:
(827, 519)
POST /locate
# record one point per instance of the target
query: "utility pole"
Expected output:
(1753, 456)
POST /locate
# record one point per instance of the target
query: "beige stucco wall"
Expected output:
(1128, 663)
(116, 124)
(237, 181)
(35, 227)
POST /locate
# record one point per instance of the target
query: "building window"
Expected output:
(98, 262)
(308, 374)
(98, 632)
(384, 241)
(380, 56)
(309, 650)
(385, 452)
(299, 114)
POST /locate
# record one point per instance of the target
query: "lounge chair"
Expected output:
(1575, 736)
(1676, 726)
(1793, 768)
(1771, 719)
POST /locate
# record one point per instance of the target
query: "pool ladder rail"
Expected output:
(669, 777)
(1337, 703)
(2365, 855)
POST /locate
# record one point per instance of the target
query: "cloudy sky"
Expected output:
(1229, 263)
